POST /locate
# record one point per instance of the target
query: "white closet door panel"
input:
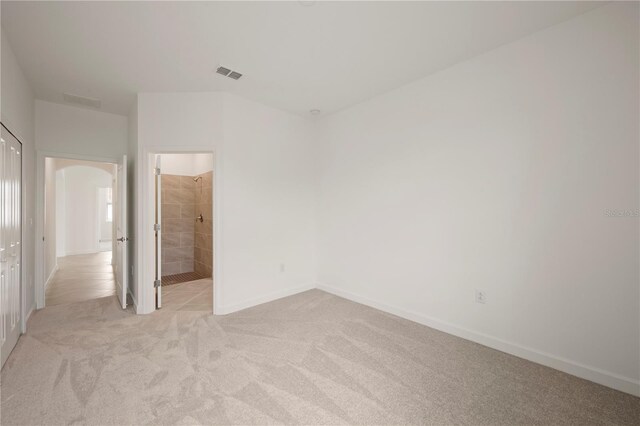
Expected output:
(10, 242)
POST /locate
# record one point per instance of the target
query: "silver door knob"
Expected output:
(123, 239)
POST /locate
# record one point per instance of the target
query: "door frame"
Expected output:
(40, 279)
(145, 205)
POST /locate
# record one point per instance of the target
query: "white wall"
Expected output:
(17, 113)
(80, 223)
(186, 164)
(268, 208)
(496, 174)
(55, 211)
(263, 188)
(65, 129)
(50, 213)
(105, 226)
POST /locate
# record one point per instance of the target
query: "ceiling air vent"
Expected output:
(228, 73)
(81, 100)
(224, 71)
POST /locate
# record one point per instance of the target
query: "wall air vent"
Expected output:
(82, 100)
(229, 73)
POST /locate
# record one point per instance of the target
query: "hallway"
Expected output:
(81, 277)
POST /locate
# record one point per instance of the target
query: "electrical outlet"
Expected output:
(481, 296)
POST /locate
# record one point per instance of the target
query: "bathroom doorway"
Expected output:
(184, 203)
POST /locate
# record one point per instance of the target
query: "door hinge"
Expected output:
(156, 170)
(157, 283)
(156, 227)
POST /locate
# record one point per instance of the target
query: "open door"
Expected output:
(157, 227)
(120, 210)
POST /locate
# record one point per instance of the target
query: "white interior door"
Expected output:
(158, 234)
(122, 239)
(10, 242)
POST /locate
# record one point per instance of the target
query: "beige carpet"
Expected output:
(312, 358)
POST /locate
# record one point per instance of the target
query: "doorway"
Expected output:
(78, 230)
(184, 237)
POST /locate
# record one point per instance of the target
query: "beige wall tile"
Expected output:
(207, 179)
(203, 241)
(203, 231)
(178, 225)
(170, 182)
(177, 254)
(200, 240)
(187, 244)
(205, 197)
(188, 211)
(186, 266)
(187, 183)
(170, 268)
(178, 196)
(171, 196)
(170, 255)
(203, 269)
(187, 239)
(170, 211)
(202, 255)
(170, 239)
(206, 227)
(205, 209)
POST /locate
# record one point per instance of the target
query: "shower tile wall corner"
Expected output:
(204, 230)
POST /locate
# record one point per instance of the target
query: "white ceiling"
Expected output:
(294, 55)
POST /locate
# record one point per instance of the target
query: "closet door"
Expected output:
(10, 241)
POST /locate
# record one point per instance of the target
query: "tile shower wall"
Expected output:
(204, 229)
(178, 224)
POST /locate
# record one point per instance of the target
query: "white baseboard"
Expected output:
(133, 298)
(78, 252)
(33, 308)
(593, 374)
(53, 272)
(248, 303)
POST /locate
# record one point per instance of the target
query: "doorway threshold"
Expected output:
(182, 278)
